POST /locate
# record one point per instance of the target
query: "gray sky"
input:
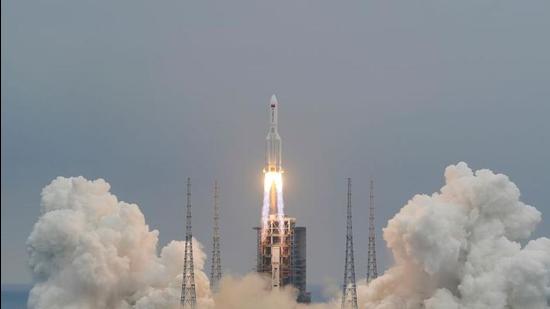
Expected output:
(145, 93)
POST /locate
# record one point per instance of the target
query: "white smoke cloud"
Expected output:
(88, 250)
(459, 248)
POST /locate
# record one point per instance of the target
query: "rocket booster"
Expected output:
(273, 140)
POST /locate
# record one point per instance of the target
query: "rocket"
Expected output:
(273, 140)
(273, 180)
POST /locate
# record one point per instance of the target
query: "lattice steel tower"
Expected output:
(372, 271)
(349, 291)
(188, 294)
(216, 270)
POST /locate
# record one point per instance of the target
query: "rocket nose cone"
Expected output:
(273, 101)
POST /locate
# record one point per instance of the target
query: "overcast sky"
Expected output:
(146, 93)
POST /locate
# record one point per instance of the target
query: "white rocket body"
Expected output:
(273, 140)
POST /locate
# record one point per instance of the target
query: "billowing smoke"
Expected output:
(253, 292)
(459, 248)
(89, 250)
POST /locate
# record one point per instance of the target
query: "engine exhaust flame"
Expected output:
(273, 200)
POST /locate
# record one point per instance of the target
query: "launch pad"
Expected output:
(281, 254)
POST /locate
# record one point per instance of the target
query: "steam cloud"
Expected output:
(459, 248)
(88, 250)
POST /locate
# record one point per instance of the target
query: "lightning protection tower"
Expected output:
(349, 291)
(188, 294)
(216, 270)
(372, 271)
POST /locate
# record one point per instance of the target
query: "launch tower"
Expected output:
(216, 265)
(281, 245)
(349, 288)
(372, 270)
(188, 298)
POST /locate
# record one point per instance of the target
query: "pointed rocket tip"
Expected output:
(273, 100)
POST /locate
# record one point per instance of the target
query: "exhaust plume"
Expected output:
(273, 202)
